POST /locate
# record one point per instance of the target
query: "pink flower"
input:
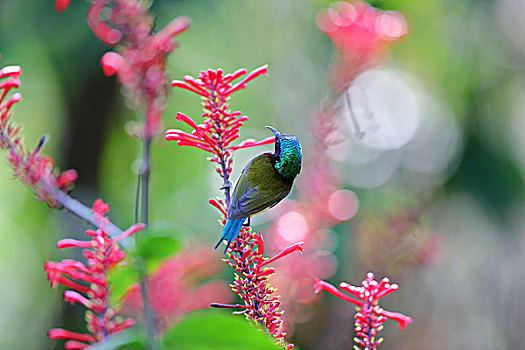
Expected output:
(370, 316)
(221, 126)
(31, 167)
(361, 33)
(176, 288)
(261, 304)
(89, 284)
(215, 135)
(141, 58)
(251, 280)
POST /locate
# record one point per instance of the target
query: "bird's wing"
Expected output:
(247, 200)
(254, 202)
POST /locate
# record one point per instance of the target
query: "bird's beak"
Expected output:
(275, 132)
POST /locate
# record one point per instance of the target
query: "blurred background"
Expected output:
(423, 169)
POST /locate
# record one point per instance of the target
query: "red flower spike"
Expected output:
(251, 284)
(369, 317)
(89, 282)
(221, 126)
(219, 129)
(362, 35)
(31, 167)
(141, 58)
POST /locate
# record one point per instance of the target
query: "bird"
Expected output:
(265, 181)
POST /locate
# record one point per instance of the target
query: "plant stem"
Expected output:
(71, 204)
(80, 210)
(142, 200)
(227, 184)
(144, 181)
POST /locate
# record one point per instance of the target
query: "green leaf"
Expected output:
(145, 256)
(129, 339)
(121, 278)
(153, 248)
(216, 330)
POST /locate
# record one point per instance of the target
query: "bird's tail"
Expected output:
(230, 232)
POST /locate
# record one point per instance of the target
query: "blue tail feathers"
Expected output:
(230, 232)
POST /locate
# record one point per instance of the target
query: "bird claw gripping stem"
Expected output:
(227, 185)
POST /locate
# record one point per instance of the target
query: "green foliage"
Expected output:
(209, 330)
(154, 248)
(121, 278)
(129, 339)
(215, 330)
(147, 255)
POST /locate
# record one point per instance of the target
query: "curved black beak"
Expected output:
(275, 132)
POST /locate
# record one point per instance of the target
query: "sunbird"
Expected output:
(265, 181)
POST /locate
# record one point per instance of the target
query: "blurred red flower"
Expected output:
(141, 58)
(177, 288)
(362, 35)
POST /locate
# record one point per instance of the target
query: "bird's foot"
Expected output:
(226, 185)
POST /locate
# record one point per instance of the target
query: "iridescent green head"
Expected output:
(288, 154)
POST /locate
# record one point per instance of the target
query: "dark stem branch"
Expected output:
(145, 172)
(71, 204)
(142, 200)
(228, 306)
(80, 210)
(357, 130)
(369, 338)
(137, 199)
(227, 184)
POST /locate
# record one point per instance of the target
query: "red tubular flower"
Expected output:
(370, 316)
(31, 167)
(215, 135)
(89, 283)
(221, 126)
(362, 35)
(176, 288)
(141, 58)
(261, 304)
